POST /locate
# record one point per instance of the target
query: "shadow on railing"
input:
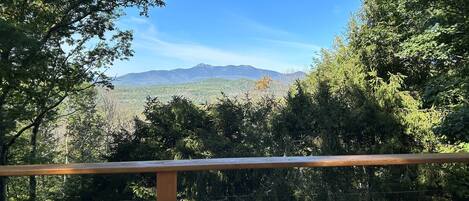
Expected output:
(167, 170)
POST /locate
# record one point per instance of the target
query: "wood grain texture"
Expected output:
(166, 186)
(231, 163)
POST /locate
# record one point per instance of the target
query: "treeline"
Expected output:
(396, 82)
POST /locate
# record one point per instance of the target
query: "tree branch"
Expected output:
(38, 118)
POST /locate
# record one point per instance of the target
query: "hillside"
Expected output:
(132, 98)
(202, 72)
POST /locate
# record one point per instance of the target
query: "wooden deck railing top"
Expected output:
(166, 171)
(230, 163)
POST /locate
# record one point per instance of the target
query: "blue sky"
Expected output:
(270, 34)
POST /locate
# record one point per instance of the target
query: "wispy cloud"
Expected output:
(195, 53)
(274, 35)
(145, 24)
(138, 20)
(148, 38)
(260, 28)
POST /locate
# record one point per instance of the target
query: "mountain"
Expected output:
(203, 72)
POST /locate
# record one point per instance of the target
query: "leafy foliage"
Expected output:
(48, 51)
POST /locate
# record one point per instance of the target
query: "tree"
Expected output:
(48, 49)
(402, 71)
(424, 42)
(263, 83)
(85, 141)
(180, 129)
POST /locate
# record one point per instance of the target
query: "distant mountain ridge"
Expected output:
(203, 72)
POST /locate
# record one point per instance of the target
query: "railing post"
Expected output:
(166, 186)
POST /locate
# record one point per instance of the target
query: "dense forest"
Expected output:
(396, 82)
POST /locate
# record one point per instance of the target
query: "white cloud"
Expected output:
(139, 20)
(197, 53)
(148, 38)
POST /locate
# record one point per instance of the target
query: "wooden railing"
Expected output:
(167, 170)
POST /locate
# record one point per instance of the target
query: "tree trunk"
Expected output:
(32, 160)
(3, 160)
(32, 188)
(369, 183)
(3, 180)
(3, 150)
(3, 189)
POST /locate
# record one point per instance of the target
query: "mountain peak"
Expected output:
(202, 65)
